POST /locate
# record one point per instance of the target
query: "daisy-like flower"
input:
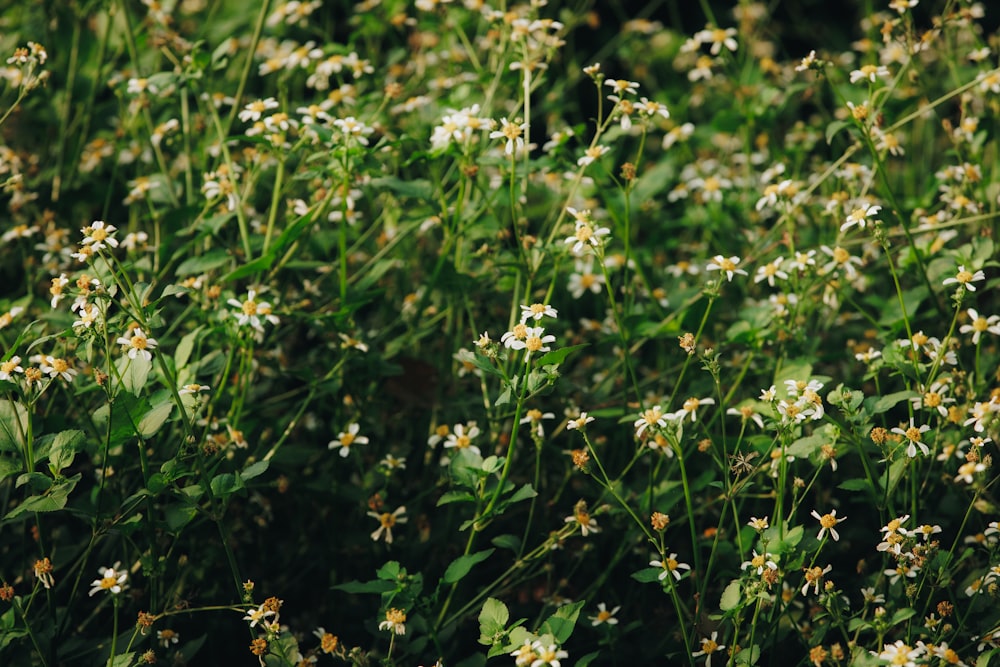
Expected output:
(770, 271)
(709, 645)
(979, 324)
(729, 266)
(604, 616)
(513, 133)
(547, 656)
(524, 655)
(166, 637)
(803, 260)
(579, 422)
(914, 435)
(586, 233)
(535, 340)
(814, 577)
(860, 216)
(841, 259)
(346, 439)
(760, 525)
(258, 615)
(98, 235)
(650, 417)
(43, 572)
(620, 86)
(10, 367)
(760, 562)
(112, 580)
(351, 127)
(967, 470)
(670, 566)
(828, 522)
(251, 311)
(900, 654)
(965, 278)
(718, 38)
(56, 367)
(747, 413)
(534, 418)
(651, 108)
(582, 517)
(690, 407)
(253, 111)
(395, 620)
(934, 398)
(461, 438)
(537, 311)
(583, 278)
(591, 154)
(869, 73)
(193, 388)
(138, 344)
(387, 521)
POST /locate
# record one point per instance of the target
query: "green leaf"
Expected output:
(806, 447)
(153, 420)
(374, 586)
(134, 373)
(182, 353)
(212, 259)
(13, 426)
(52, 501)
(876, 405)
(796, 370)
(556, 357)
(587, 659)
(63, 450)
(833, 128)
(902, 615)
(856, 484)
(255, 470)
(390, 571)
(178, 516)
(415, 188)
(560, 624)
(731, 596)
(226, 484)
(648, 575)
(525, 492)
(122, 660)
(492, 621)
(511, 542)
(985, 659)
(455, 497)
(9, 466)
(463, 564)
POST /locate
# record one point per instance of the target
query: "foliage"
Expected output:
(331, 332)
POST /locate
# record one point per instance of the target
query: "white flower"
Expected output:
(111, 580)
(514, 134)
(870, 73)
(828, 522)
(670, 566)
(860, 216)
(965, 278)
(252, 310)
(579, 422)
(97, 234)
(252, 112)
(913, 434)
(138, 344)
(604, 615)
(346, 439)
(727, 266)
(387, 521)
(537, 311)
(978, 324)
(708, 647)
(653, 416)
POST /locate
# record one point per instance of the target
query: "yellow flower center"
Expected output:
(964, 277)
(249, 307)
(533, 343)
(59, 365)
(98, 234)
(725, 264)
(828, 521)
(913, 433)
(107, 583)
(387, 520)
(932, 399)
(346, 439)
(980, 324)
(757, 561)
(462, 441)
(840, 256)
